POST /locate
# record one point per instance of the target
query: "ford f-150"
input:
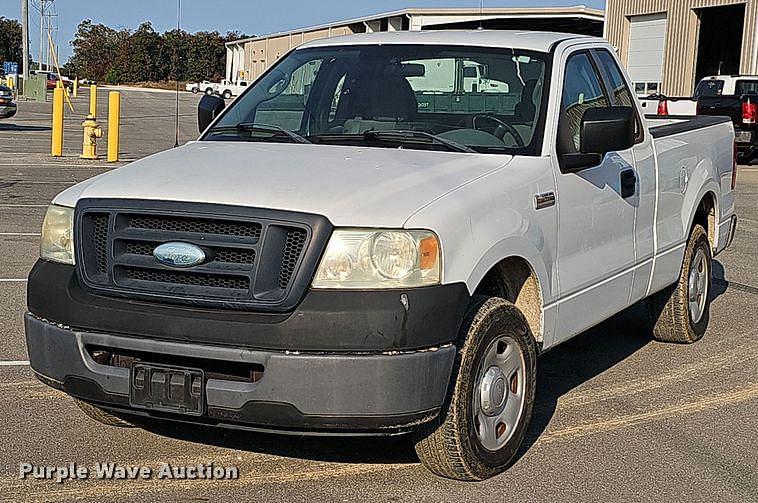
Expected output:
(332, 257)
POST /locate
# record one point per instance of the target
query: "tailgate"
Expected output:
(727, 106)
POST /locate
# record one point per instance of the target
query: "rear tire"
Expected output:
(680, 313)
(103, 416)
(482, 425)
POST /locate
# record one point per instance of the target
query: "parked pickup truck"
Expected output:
(227, 89)
(359, 265)
(743, 111)
(712, 86)
(196, 87)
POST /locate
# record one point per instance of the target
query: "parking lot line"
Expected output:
(13, 280)
(20, 234)
(15, 363)
(24, 205)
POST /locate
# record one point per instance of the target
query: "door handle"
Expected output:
(628, 183)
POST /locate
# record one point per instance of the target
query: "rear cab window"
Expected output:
(709, 88)
(746, 87)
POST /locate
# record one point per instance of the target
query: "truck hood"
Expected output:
(351, 186)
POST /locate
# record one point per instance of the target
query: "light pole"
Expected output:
(25, 40)
(176, 68)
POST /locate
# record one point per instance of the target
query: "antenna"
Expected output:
(176, 70)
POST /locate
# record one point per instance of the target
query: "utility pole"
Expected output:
(25, 38)
(42, 41)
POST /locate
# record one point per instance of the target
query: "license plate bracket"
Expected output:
(167, 389)
(744, 136)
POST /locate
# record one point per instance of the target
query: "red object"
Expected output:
(749, 112)
(663, 107)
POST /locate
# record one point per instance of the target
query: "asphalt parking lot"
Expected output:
(618, 417)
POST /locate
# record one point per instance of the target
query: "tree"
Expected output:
(11, 48)
(102, 53)
(95, 49)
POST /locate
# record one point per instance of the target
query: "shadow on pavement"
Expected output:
(370, 450)
(583, 358)
(720, 284)
(16, 127)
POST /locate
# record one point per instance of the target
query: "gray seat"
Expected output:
(392, 98)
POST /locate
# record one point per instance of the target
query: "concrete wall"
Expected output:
(680, 55)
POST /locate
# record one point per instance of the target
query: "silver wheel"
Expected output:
(498, 399)
(697, 285)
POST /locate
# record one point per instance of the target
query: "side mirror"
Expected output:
(603, 130)
(208, 109)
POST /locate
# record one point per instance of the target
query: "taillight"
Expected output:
(734, 167)
(663, 107)
(749, 111)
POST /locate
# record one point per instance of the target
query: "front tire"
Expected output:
(209, 91)
(680, 313)
(227, 94)
(491, 397)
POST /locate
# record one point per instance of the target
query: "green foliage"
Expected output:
(121, 56)
(10, 41)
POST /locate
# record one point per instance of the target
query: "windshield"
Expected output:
(408, 96)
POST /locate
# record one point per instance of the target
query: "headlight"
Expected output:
(357, 258)
(57, 244)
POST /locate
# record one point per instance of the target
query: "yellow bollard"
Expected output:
(114, 118)
(76, 86)
(57, 143)
(11, 84)
(93, 100)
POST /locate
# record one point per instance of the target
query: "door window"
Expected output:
(581, 91)
(622, 96)
(621, 93)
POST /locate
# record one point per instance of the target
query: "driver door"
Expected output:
(596, 253)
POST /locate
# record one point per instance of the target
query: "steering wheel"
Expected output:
(501, 130)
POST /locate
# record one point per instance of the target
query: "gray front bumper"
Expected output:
(7, 111)
(296, 392)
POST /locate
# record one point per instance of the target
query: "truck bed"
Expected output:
(675, 124)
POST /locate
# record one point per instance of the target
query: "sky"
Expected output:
(253, 17)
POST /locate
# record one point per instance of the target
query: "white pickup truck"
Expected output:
(333, 259)
(714, 85)
(228, 89)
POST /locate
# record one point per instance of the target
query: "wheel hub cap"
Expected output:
(697, 285)
(498, 398)
(493, 391)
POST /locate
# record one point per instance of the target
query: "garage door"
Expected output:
(647, 41)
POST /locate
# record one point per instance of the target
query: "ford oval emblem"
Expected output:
(178, 254)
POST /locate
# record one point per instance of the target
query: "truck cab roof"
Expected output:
(526, 40)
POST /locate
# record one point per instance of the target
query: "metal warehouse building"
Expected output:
(248, 58)
(669, 45)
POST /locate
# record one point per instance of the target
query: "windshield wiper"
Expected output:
(403, 135)
(257, 126)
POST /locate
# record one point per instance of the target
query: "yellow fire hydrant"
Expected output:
(92, 132)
